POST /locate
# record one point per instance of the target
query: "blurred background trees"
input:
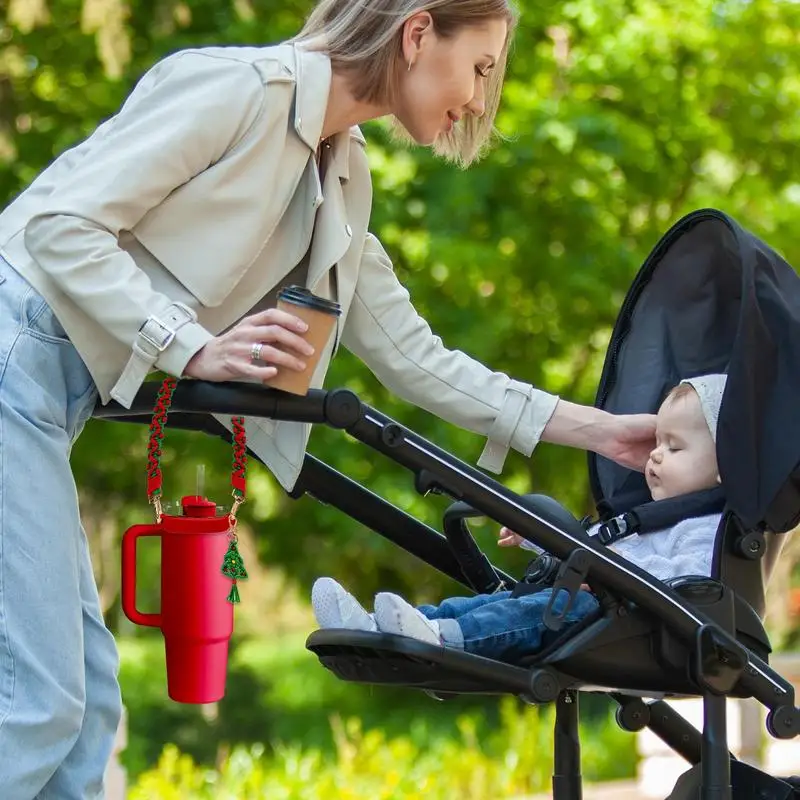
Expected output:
(618, 117)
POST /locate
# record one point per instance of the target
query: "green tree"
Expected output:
(618, 117)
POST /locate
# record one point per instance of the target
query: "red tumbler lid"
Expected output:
(197, 506)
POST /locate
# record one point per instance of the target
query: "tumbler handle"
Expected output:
(129, 539)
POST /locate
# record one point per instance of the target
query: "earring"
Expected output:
(410, 64)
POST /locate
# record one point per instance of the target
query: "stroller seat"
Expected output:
(694, 636)
(585, 655)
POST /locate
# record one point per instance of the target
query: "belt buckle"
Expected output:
(612, 530)
(160, 339)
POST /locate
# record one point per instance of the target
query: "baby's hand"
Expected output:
(507, 538)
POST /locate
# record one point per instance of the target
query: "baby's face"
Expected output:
(684, 459)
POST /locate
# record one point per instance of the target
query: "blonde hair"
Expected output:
(364, 41)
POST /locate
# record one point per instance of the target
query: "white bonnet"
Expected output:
(710, 389)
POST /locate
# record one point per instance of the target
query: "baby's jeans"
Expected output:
(59, 696)
(503, 627)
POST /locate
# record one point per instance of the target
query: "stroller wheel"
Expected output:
(784, 722)
(633, 716)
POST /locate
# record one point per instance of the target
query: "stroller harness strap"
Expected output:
(542, 572)
(659, 514)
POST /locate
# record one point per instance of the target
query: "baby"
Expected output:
(507, 628)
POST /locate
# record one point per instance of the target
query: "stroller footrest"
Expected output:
(380, 658)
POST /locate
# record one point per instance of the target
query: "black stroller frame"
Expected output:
(719, 664)
(689, 636)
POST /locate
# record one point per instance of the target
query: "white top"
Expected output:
(686, 548)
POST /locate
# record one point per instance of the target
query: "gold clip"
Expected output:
(237, 501)
(156, 501)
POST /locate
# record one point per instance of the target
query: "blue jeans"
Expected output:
(59, 697)
(502, 627)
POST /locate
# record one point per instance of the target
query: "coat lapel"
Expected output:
(332, 233)
(313, 82)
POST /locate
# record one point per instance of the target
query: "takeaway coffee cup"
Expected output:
(320, 315)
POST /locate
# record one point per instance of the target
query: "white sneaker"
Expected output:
(334, 607)
(395, 615)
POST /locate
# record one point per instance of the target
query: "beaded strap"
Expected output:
(233, 563)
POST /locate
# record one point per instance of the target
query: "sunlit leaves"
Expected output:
(618, 116)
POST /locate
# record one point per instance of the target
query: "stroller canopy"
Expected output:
(711, 297)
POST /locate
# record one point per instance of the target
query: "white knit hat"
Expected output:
(710, 389)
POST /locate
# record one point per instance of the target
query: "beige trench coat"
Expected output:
(204, 191)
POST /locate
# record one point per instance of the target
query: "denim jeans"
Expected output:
(502, 627)
(59, 695)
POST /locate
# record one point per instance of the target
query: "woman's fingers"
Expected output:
(272, 356)
(630, 438)
(249, 372)
(274, 316)
(276, 334)
(219, 360)
(257, 374)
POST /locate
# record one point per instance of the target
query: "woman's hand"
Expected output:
(629, 439)
(229, 356)
(625, 438)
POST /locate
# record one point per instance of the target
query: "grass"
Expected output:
(279, 697)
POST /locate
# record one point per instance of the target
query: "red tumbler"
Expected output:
(196, 618)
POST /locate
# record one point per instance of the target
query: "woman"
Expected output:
(160, 242)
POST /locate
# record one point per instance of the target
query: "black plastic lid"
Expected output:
(300, 296)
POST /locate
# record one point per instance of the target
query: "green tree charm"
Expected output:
(233, 568)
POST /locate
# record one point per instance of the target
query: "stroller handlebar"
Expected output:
(338, 408)
(446, 474)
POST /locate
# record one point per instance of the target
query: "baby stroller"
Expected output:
(709, 298)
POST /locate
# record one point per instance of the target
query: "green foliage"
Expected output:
(280, 700)
(276, 692)
(617, 116)
(475, 764)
